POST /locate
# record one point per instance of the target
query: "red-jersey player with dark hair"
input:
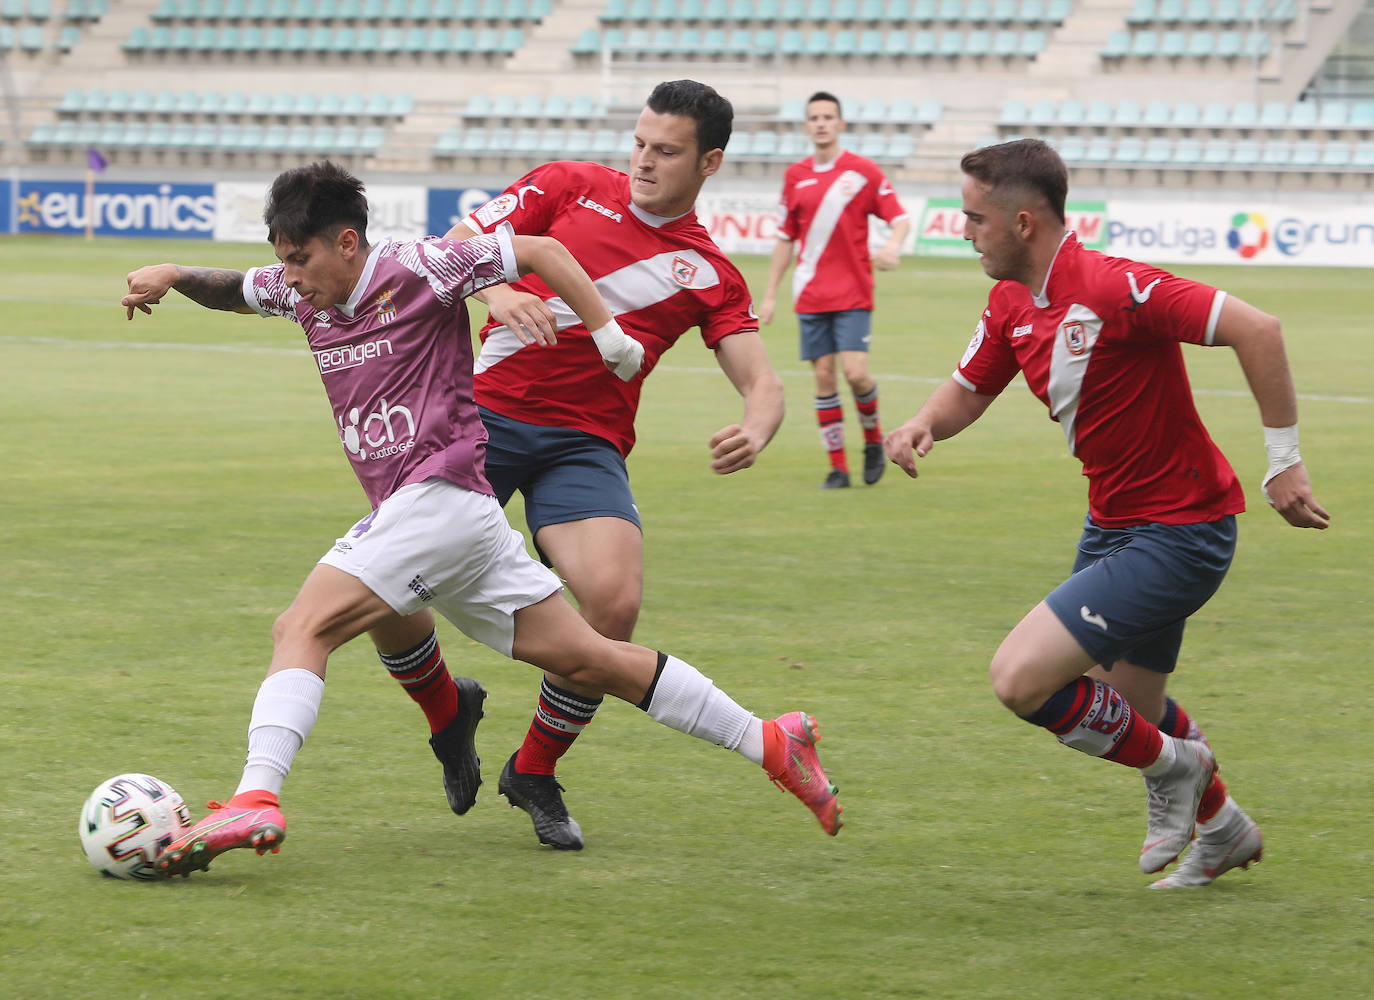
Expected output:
(560, 424)
(827, 200)
(1097, 339)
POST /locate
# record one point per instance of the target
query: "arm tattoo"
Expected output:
(212, 287)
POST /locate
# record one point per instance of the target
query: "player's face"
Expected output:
(823, 122)
(666, 168)
(321, 270)
(991, 228)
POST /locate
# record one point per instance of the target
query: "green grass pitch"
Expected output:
(168, 483)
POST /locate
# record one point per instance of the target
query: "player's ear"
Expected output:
(710, 162)
(347, 242)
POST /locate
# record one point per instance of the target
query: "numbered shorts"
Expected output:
(563, 474)
(440, 546)
(823, 334)
(1132, 589)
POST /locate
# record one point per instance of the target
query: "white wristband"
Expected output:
(1281, 444)
(622, 353)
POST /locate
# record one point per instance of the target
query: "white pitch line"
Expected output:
(141, 345)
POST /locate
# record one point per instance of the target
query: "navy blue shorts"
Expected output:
(823, 334)
(1133, 589)
(564, 475)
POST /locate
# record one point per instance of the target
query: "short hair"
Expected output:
(319, 199)
(825, 95)
(1027, 165)
(713, 114)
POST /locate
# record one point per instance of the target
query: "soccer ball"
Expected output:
(127, 822)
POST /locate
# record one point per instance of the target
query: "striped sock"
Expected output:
(559, 719)
(831, 419)
(1177, 722)
(1091, 716)
(423, 674)
(867, 405)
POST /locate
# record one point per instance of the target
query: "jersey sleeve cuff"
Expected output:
(1213, 316)
(250, 293)
(959, 377)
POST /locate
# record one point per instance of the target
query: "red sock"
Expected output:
(558, 720)
(1176, 722)
(423, 674)
(1091, 716)
(867, 405)
(831, 419)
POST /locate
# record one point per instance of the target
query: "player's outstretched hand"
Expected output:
(733, 448)
(907, 443)
(765, 311)
(1290, 493)
(525, 315)
(147, 286)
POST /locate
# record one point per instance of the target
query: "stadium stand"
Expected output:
(1195, 92)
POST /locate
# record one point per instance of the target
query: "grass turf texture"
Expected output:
(169, 482)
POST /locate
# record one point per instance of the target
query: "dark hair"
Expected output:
(825, 95)
(1026, 165)
(713, 114)
(320, 199)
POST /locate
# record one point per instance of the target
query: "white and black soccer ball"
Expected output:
(127, 822)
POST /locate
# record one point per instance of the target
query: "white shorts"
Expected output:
(437, 545)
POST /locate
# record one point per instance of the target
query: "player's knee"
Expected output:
(614, 613)
(1015, 685)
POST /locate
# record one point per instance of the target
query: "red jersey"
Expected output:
(1100, 347)
(827, 209)
(660, 277)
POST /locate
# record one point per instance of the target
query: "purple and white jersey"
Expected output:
(396, 358)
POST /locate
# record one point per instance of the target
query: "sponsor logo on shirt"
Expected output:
(386, 431)
(598, 208)
(684, 271)
(806, 183)
(520, 195)
(386, 306)
(351, 355)
(1075, 337)
(322, 319)
(1139, 298)
(1022, 331)
(497, 209)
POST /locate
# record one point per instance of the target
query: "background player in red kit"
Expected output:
(827, 199)
(560, 425)
(1097, 339)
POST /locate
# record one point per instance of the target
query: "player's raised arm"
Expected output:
(558, 269)
(212, 287)
(1257, 339)
(947, 411)
(744, 360)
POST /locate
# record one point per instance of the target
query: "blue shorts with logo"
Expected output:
(1132, 589)
(564, 475)
(828, 333)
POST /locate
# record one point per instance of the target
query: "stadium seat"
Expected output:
(1276, 153)
(1303, 115)
(1334, 115)
(1274, 114)
(928, 112)
(1245, 114)
(1130, 149)
(1157, 114)
(1015, 112)
(1307, 153)
(1216, 114)
(1145, 45)
(1245, 152)
(1217, 153)
(1169, 11)
(1071, 113)
(1187, 115)
(1229, 44)
(1128, 114)
(1141, 12)
(1201, 45)
(1118, 45)
(1173, 45)
(1159, 151)
(1187, 152)
(1005, 43)
(1336, 155)
(1099, 113)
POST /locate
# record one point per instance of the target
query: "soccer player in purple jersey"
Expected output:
(1097, 339)
(390, 335)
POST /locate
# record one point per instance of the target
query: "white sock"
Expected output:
(1168, 754)
(686, 700)
(284, 712)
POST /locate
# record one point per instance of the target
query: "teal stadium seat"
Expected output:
(1187, 115)
(1032, 44)
(1363, 155)
(1071, 113)
(1217, 153)
(1274, 114)
(1159, 151)
(1245, 153)
(1005, 43)
(1145, 44)
(1302, 115)
(1117, 46)
(1336, 155)
(1128, 114)
(1173, 44)
(1334, 115)
(1169, 11)
(1307, 154)
(1130, 150)
(1216, 114)
(1141, 12)
(1198, 12)
(1158, 114)
(1244, 115)
(1187, 152)
(1099, 113)
(1014, 112)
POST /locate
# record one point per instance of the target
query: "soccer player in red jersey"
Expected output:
(827, 200)
(1097, 339)
(560, 425)
(387, 329)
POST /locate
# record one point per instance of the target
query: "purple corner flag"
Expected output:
(95, 161)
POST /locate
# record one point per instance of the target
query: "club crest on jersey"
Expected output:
(1075, 337)
(386, 306)
(684, 272)
(496, 209)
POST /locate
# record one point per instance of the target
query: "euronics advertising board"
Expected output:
(183, 211)
(398, 211)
